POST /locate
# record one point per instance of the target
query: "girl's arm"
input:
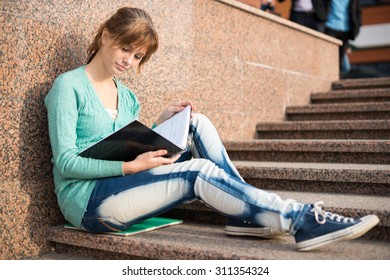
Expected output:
(63, 103)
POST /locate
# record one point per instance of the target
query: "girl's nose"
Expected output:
(128, 59)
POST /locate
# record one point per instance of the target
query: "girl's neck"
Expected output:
(97, 72)
(103, 83)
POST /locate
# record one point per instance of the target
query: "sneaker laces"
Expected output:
(321, 215)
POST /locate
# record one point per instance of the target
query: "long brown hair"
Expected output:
(128, 26)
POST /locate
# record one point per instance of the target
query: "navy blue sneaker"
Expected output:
(244, 228)
(321, 228)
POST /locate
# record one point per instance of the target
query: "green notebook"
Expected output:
(144, 226)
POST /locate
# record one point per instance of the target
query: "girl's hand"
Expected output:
(172, 109)
(147, 161)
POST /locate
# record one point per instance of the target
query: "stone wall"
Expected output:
(236, 63)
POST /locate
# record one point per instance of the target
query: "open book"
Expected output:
(136, 138)
(143, 226)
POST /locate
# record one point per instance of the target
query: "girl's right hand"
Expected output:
(173, 109)
(147, 161)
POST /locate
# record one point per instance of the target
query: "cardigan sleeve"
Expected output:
(63, 102)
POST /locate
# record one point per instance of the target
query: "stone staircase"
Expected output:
(337, 149)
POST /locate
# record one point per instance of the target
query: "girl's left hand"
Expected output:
(172, 109)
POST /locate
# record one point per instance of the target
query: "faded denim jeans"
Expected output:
(204, 172)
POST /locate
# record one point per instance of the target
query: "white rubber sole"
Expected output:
(263, 232)
(367, 223)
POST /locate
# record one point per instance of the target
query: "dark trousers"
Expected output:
(343, 36)
(307, 19)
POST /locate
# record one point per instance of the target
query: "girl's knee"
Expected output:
(198, 118)
(200, 164)
(208, 167)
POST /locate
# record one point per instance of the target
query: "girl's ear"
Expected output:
(104, 36)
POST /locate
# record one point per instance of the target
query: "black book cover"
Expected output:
(128, 142)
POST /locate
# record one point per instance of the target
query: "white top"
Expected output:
(303, 6)
(113, 113)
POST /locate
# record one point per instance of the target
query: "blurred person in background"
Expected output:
(343, 22)
(309, 13)
(268, 6)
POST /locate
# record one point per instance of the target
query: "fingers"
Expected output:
(158, 153)
(157, 157)
(147, 161)
(176, 107)
(161, 160)
(175, 158)
(185, 103)
(164, 160)
(179, 106)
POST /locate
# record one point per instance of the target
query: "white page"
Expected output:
(175, 129)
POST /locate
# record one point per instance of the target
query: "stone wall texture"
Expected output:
(238, 65)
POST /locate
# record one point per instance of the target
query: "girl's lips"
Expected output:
(121, 68)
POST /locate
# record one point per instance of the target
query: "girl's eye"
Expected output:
(138, 57)
(125, 49)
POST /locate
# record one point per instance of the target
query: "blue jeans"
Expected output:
(203, 173)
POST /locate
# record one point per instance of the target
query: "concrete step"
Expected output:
(330, 151)
(59, 256)
(370, 179)
(198, 241)
(362, 83)
(351, 111)
(351, 96)
(338, 129)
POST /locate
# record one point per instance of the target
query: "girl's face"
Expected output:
(119, 60)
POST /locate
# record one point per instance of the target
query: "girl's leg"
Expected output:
(118, 202)
(311, 226)
(204, 142)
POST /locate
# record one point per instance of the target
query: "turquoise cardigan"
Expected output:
(77, 119)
